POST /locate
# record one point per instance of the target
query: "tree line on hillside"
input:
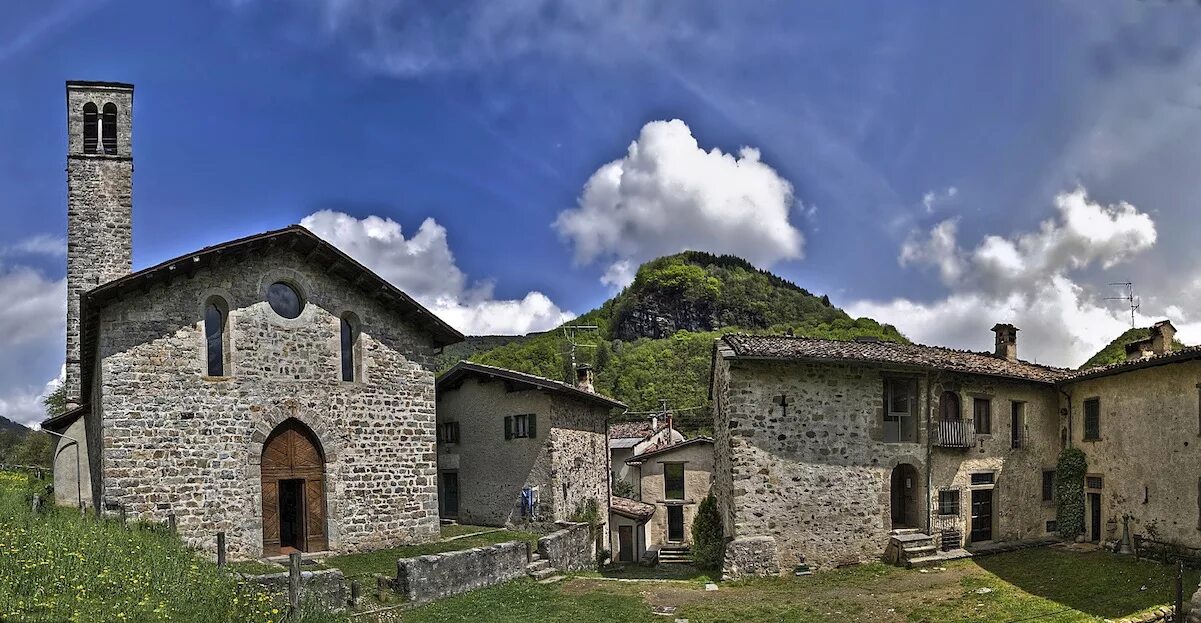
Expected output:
(33, 447)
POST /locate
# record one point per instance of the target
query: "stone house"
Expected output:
(271, 387)
(826, 452)
(627, 439)
(520, 450)
(673, 479)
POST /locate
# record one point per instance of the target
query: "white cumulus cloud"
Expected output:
(669, 194)
(1026, 280)
(32, 334)
(424, 267)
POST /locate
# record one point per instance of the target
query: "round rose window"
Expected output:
(284, 300)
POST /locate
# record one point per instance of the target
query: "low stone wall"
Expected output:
(426, 578)
(326, 587)
(569, 549)
(750, 556)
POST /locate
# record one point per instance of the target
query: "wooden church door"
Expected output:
(293, 469)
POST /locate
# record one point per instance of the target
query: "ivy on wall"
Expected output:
(1069, 489)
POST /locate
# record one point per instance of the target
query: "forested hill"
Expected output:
(654, 339)
(1116, 350)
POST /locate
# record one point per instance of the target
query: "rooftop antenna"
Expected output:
(1129, 297)
(571, 333)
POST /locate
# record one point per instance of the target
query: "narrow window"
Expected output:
(109, 128)
(900, 405)
(983, 478)
(1017, 424)
(948, 502)
(1048, 485)
(216, 324)
(948, 407)
(982, 412)
(448, 432)
(90, 132)
(350, 348)
(1092, 419)
(673, 481)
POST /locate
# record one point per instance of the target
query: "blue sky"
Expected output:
(942, 165)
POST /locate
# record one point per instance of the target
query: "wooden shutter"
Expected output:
(508, 427)
(270, 517)
(314, 520)
(532, 421)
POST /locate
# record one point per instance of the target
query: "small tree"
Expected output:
(623, 488)
(707, 537)
(1069, 489)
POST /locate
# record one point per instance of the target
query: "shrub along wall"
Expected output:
(1069, 488)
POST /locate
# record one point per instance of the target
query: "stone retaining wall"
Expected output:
(426, 578)
(569, 549)
(326, 587)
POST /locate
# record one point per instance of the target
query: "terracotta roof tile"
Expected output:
(917, 355)
(630, 508)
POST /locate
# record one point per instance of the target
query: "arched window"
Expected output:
(109, 128)
(948, 407)
(350, 348)
(90, 130)
(216, 337)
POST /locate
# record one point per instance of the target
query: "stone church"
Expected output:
(271, 387)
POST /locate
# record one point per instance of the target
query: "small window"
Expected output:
(1092, 482)
(900, 407)
(1052, 526)
(108, 128)
(1017, 424)
(982, 413)
(948, 502)
(350, 348)
(1048, 485)
(91, 121)
(284, 300)
(984, 478)
(520, 426)
(673, 481)
(1092, 419)
(948, 407)
(448, 432)
(216, 321)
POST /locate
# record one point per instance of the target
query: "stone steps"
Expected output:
(543, 574)
(675, 555)
(537, 566)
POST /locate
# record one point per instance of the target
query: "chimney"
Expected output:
(1139, 350)
(654, 423)
(583, 378)
(1007, 341)
(1162, 335)
(670, 427)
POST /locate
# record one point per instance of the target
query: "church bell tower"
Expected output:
(99, 200)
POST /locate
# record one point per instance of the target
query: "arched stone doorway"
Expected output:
(293, 472)
(903, 491)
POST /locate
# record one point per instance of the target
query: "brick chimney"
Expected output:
(583, 378)
(1007, 341)
(1162, 334)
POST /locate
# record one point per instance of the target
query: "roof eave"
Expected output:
(907, 366)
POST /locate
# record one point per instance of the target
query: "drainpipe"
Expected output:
(929, 455)
(78, 474)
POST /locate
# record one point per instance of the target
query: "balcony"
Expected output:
(953, 433)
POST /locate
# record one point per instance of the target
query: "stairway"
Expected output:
(540, 569)
(909, 547)
(675, 555)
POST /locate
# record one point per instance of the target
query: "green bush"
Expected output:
(624, 489)
(1069, 489)
(707, 538)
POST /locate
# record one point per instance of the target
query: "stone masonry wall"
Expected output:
(175, 440)
(99, 212)
(569, 549)
(1149, 451)
(426, 578)
(567, 461)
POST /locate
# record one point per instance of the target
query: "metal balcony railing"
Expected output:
(953, 433)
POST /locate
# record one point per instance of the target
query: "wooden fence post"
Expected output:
(171, 523)
(121, 512)
(220, 549)
(355, 592)
(294, 581)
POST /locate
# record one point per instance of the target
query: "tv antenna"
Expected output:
(571, 333)
(1129, 297)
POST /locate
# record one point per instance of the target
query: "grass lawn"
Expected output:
(384, 560)
(1057, 585)
(454, 529)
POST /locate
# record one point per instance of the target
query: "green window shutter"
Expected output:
(508, 427)
(533, 420)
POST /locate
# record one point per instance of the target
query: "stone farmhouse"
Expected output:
(271, 388)
(520, 450)
(830, 452)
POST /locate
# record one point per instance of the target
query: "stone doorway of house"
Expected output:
(675, 524)
(293, 481)
(625, 543)
(903, 496)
